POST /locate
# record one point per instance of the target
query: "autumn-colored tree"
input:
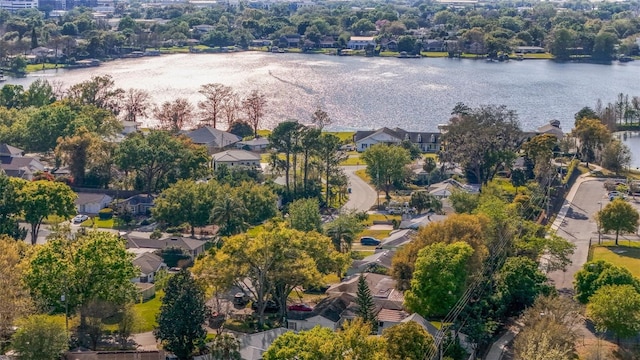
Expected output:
(212, 109)
(135, 104)
(618, 216)
(174, 116)
(254, 107)
(472, 229)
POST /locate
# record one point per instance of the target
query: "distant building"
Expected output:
(212, 138)
(17, 5)
(255, 145)
(360, 42)
(426, 141)
(552, 128)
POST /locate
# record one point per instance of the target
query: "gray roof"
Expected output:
(397, 238)
(400, 134)
(140, 199)
(179, 242)
(209, 136)
(88, 198)
(8, 150)
(382, 258)
(147, 263)
(253, 345)
(235, 155)
(422, 322)
(382, 287)
(330, 308)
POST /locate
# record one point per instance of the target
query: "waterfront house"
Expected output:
(433, 45)
(360, 42)
(530, 50)
(15, 164)
(212, 138)
(236, 158)
(552, 128)
(203, 29)
(426, 141)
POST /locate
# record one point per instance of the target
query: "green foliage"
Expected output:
(344, 229)
(573, 166)
(618, 216)
(518, 284)
(592, 135)
(422, 200)
(616, 308)
(596, 274)
(464, 202)
(386, 165)
(40, 337)
(366, 307)
(225, 346)
(174, 256)
(304, 215)
(616, 156)
(105, 214)
(183, 301)
(439, 278)
(96, 266)
(408, 341)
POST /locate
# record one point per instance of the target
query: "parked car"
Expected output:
(271, 306)
(369, 241)
(80, 219)
(240, 299)
(616, 195)
(300, 307)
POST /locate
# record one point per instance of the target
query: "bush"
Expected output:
(105, 214)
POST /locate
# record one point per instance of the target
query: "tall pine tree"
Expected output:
(182, 314)
(366, 308)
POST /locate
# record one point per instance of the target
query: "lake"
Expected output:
(367, 93)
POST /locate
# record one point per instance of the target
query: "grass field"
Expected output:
(627, 256)
(112, 223)
(362, 174)
(147, 312)
(45, 66)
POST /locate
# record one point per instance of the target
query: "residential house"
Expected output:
(256, 145)
(140, 204)
(149, 264)
(389, 44)
(329, 313)
(129, 127)
(328, 42)
(433, 45)
(252, 346)
(193, 247)
(383, 289)
(290, 40)
(379, 260)
(530, 50)
(444, 189)
(15, 164)
(203, 29)
(427, 141)
(92, 203)
(360, 42)
(260, 42)
(236, 158)
(212, 138)
(552, 128)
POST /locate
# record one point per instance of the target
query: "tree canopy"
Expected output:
(618, 216)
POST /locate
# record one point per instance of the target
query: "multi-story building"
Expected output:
(15, 5)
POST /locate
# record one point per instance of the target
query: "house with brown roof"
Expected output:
(330, 313)
(383, 289)
(15, 164)
(428, 142)
(193, 247)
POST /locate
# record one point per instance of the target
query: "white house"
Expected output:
(360, 42)
(236, 158)
(92, 203)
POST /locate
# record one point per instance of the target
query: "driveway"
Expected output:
(362, 196)
(578, 226)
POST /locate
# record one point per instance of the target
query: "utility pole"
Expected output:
(378, 186)
(598, 223)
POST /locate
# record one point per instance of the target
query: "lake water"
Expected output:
(367, 93)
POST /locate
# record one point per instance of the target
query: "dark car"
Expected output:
(369, 241)
(300, 307)
(271, 306)
(240, 299)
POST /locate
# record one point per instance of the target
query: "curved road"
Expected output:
(362, 196)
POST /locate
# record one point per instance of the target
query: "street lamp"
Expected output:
(598, 222)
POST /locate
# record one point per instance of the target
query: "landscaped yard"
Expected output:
(112, 223)
(625, 256)
(147, 312)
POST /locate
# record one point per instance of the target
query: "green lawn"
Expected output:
(362, 174)
(112, 223)
(352, 160)
(343, 135)
(45, 66)
(147, 312)
(625, 256)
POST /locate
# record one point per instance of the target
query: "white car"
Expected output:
(80, 219)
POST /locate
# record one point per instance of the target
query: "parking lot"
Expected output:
(580, 228)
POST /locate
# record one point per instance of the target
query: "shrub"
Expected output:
(105, 214)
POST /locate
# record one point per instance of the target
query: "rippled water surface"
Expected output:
(367, 93)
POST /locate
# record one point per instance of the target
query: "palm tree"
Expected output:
(230, 215)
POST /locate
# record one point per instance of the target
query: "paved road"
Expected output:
(578, 226)
(362, 196)
(145, 341)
